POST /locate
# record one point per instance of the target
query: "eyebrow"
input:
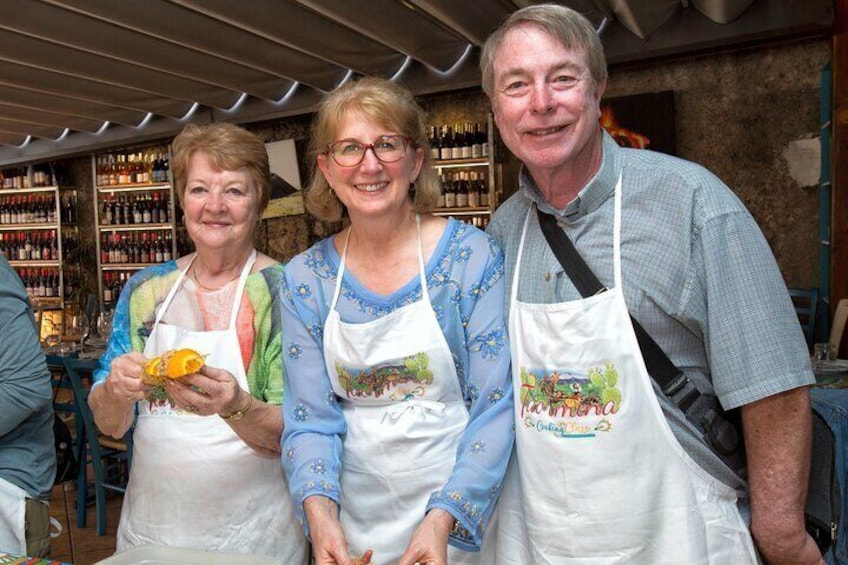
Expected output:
(564, 66)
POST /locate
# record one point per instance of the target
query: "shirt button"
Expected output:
(548, 277)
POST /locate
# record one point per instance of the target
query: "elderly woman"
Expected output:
(206, 471)
(398, 408)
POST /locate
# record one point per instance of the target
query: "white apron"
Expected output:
(405, 414)
(600, 477)
(12, 518)
(194, 482)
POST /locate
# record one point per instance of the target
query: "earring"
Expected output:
(412, 190)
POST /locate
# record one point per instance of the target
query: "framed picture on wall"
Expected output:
(286, 196)
(643, 121)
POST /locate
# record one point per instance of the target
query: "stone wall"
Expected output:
(744, 115)
(751, 116)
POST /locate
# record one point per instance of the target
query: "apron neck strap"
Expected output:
(616, 238)
(616, 243)
(245, 272)
(422, 275)
(516, 275)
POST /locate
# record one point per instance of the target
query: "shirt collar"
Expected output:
(600, 187)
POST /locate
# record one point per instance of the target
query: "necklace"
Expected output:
(196, 280)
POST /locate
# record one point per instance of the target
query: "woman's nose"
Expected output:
(215, 201)
(370, 161)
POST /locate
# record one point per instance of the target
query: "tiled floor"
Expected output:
(82, 546)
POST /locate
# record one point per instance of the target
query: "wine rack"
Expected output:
(463, 157)
(37, 222)
(135, 215)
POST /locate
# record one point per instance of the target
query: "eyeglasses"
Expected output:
(350, 152)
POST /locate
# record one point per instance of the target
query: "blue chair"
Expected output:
(806, 301)
(64, 401)
(109, 458)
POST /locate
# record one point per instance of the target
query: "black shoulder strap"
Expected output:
(702, 410)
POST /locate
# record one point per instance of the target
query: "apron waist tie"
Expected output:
(396, 411)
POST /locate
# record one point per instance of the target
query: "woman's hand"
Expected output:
(124, 382)
(113, 402)
(429, 543)
(211, 391)
(329, 546)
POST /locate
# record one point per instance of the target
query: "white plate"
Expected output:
(161, 555)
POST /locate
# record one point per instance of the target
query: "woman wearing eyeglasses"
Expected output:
(399, 406)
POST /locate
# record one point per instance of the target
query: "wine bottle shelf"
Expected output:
(456, 163)
(462, 211)
(125, 266)
(135, 227)
(135, 213)
(30, 190)
(133, 187)
(26, 227)
(46, 300)
(55, 263)
(463, 157)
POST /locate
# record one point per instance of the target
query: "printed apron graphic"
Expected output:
(568, 403)
(408, 376)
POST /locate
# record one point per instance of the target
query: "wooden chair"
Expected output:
(806, 302)
(109, 458)
(837, 328)
(65, 403)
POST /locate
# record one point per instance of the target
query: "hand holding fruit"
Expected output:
(193, 386)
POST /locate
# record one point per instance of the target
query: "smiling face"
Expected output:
(221, 207)
(371, 188)
(547, 106)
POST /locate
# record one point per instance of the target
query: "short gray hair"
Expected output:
(568, 26)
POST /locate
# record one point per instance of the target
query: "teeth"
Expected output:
(370, 187)
(546, 131)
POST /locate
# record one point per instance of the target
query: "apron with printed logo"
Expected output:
(405, 414)
(194, 482)
(600, 477)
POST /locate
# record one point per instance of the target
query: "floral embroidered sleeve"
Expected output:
(481, 354)
(311, 442)
(136, 304)
(465, 285)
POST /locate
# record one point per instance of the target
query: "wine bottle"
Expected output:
(473, 191)
(450, 193)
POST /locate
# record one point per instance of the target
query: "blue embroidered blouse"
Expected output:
(466, 288)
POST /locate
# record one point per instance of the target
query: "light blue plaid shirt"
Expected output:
(698, 275)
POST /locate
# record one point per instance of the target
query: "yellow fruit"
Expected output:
(183, 362)
(172, 364)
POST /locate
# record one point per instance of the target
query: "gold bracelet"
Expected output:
(239, 414)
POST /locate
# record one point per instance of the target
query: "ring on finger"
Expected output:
(130, 396)
(192, 408)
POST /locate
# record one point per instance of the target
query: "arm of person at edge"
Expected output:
(315, 425)
(777, 432)
(487, 441)
(24, 387)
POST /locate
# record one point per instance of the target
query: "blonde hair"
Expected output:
(229, 148)
(390, 105)
(568, 26)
